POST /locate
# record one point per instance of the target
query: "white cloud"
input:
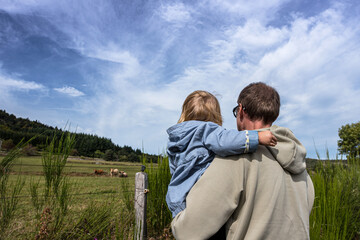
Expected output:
(256, 9)
(11, 87)
(313, 62)
(73, 92)
(175, 13)
(114, 55)
(7, 84)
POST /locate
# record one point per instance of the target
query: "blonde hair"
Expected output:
(201, 106)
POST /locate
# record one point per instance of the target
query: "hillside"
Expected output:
(14, 129)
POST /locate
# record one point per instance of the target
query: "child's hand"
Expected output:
(267, 138)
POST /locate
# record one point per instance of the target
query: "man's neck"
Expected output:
(253, 125)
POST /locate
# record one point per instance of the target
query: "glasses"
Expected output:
(236, 110)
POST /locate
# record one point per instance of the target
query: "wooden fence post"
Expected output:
(141, 184)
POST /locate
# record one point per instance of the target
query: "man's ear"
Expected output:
(241, 112)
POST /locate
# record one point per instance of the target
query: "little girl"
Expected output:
(196, 139)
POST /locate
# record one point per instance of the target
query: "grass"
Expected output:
(33, 165)
(336, 211)
(102, 206)
(64, 199)
(89, 193)
(158, 215)
(8, 190)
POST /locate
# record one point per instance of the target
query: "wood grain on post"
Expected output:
(141, 184)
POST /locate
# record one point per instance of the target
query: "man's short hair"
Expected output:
(260, 102)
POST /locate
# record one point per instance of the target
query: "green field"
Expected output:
(101, 207)
(86, 190)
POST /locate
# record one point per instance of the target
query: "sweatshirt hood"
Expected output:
(289, 151)
(180, 135)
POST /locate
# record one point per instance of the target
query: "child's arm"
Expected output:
(267, 138)
(228, 142)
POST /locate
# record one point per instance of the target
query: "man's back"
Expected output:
(252, 194)
(274, 203)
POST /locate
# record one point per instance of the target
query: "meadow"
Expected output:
(101, 207)
(87, 190)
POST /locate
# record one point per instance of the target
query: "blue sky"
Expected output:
(122, 69)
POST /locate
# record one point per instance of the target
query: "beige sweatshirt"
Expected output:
(264, 195)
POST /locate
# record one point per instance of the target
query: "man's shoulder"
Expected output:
(233, 161)
(259, 159)
(261, 150)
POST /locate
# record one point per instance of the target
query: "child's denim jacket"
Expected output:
(191, 148)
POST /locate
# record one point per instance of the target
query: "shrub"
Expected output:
(56, 197)
(8, 144)
(29, 150)
(123, 158)
(74, 152)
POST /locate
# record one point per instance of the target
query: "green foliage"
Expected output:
(8, 144)
(99, 154)
(336, 211)
(8, 192)
(158, 215)
(56, 192)
(133, 157)
(15, 129)
(74, 152)
(349, 142)
(109, 155)
(95, 222)
(127, 196)
(29, 150)
(111, 200)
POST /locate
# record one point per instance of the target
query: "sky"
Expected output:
(122, 69)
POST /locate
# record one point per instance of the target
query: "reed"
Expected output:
(158, 215)
(55, 200)
(9, 191)
(336, 210)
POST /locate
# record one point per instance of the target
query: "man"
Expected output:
(263, 195)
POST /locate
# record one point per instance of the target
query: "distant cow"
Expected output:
(123, 174)
(114, 172)
(99, 172)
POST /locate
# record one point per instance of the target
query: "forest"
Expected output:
(14, 129)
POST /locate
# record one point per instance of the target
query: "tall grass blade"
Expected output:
(336, 211)
(9, 192)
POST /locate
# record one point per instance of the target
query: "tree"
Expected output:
(349, 142)
(99, 154)
(132, 157)
(109, 155)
